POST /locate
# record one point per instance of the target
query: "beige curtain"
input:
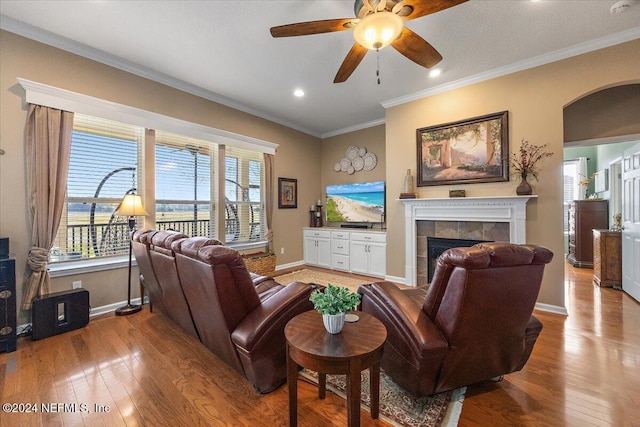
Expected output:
(269, 195)
(48, 148)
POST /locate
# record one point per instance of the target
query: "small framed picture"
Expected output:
(287, 193)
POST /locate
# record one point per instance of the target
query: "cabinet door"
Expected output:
(377, 259)
(323, 252)
(359, 257)
(310, 251)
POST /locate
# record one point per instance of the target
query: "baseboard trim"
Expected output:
(551, 308)
(289, 265)
(396, 279)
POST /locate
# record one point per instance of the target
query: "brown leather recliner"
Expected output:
(474, 323)
(242, 327)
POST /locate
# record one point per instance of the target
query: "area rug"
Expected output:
(321, 278)
(397, 407)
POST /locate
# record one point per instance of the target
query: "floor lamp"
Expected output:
(130, 206)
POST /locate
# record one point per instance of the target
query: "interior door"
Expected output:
(631, 221)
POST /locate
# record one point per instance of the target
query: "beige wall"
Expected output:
(333, 150)
(297, 157)
(535, 99)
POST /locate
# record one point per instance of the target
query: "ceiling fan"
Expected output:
(378, 23)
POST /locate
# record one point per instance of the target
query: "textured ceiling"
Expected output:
(223, 50)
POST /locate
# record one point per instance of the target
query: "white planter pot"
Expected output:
(333, 323)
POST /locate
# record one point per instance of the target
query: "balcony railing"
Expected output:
(113, 238)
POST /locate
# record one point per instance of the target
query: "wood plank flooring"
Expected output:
(142, 370)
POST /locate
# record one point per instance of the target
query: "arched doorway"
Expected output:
(598, 127)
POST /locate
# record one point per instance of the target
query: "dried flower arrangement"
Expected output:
(524, 162)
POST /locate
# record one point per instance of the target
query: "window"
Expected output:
(244, 207)
(185, 184)
(109, 156)
(574, 172)
(103, 167)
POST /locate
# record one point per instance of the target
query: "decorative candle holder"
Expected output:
(318, 216)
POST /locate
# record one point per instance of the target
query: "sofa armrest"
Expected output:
(270, 317)
(398, 311)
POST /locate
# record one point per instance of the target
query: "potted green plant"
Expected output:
(333, 304)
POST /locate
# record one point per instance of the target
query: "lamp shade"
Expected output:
(131, 205)
(378, 30)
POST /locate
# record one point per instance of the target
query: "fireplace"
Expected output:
(436, 246)
(501, 218)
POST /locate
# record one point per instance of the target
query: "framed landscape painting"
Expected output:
(287, 193)
(465, 152)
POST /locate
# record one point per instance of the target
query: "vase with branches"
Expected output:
(525, 163)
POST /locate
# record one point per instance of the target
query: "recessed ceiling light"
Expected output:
(298, 92)
(435, 72)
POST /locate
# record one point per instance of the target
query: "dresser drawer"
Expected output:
(344, 235)
(340, 247)
(369, 237)
(317, 233)
(340, 262)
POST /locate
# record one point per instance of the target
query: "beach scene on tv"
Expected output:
(359, 202)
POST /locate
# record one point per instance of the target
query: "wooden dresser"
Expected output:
(584, 216)
(607, 258)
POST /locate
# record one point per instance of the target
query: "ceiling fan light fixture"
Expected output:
(377, 30)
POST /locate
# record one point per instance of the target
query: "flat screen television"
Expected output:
(358, 202)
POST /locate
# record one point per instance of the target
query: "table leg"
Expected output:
(292, 384)
(353, 394)
(322, 385)
(374, 383)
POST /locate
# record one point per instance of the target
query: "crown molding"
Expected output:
(579, 49)
(353, 128)
(68, 45)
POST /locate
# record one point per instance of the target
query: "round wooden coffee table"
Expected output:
(358, 346)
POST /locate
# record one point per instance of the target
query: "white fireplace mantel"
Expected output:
(511, 209)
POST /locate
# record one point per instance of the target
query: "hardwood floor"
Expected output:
(584, 370)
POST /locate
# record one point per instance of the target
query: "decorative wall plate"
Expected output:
(350, 170)
(358, 163)
(370, 161)
(352, 152)
(337, 167)
(362, 151)
(344, 164)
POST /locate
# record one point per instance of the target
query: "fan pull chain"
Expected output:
(378, 65)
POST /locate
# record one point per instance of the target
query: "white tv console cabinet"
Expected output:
(362, 251)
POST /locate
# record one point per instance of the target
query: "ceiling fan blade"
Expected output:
(416, 49)
(427, 7)
(350, 63)
(313, 27)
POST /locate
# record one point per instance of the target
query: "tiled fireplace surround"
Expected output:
(476, 218)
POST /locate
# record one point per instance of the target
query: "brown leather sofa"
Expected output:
(241, 326)
(205, 288)
(472, 323)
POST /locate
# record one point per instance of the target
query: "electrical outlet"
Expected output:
(281, 251)
(77, 284)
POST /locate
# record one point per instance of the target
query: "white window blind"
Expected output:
(103, 167)
(186, 181)
(244, 195)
